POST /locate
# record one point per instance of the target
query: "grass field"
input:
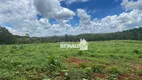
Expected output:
(105, 60)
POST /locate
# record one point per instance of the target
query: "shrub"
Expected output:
(77, 74)
(113, 77)
(54, 64)
(21, 47)
(114, 70)
(140, 56)
(83, 65)
(112, 56)
(89, 72)
(80, 53)
(6, 74)
(65, 56)
(136, 51)
(12, 51)
(139, 72)
(98, 68)
(14, 47)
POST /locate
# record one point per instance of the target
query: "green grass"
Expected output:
(111, 59)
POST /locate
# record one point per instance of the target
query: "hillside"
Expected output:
(6, 37)
(133, 34)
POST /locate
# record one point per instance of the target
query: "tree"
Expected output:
(6, 37)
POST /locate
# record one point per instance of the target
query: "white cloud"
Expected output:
(53, 9)
(110, 23)
(69, 2)
(93, 11)
(22, 15)
(84, 17)
(16, 12)
(130, 5)
(16, 9)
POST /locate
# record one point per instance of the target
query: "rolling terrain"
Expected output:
(105, 60)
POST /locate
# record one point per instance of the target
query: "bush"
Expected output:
(77, 74)
(114, 70)
(136, 51)
(98, 68)
(80, 53)
(139, 72)
(12, 51)
(84, 65)
(14, 47)
(113, 77)
(140, 56)
(54, 64)
(21, 47)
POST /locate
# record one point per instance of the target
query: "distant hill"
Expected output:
(134, 30)
(133, 34)
(6, 37)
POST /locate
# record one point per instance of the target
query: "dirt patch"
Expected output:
(123, 77)
(133, 77)
(98, 75)
(76, 61)
(137, 66)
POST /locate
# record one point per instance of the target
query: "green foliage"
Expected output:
(80, 53)
(7, 38)
(99, 68)
(113, 77)
(54, 64)
(14, 47)
(139, 72)
(114, 70)
(77, 74)
(109, 59)
(136, 51)
(6, 74)
(12, 51)
(21, 47)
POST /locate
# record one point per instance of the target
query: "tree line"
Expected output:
(7, 38)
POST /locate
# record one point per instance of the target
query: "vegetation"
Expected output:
(105, 60)
(113, 56)
(7, 38)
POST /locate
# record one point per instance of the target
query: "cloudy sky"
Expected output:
(60, 17)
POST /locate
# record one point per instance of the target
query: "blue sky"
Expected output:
(103, 8)
(60, 17)
(96, 8)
